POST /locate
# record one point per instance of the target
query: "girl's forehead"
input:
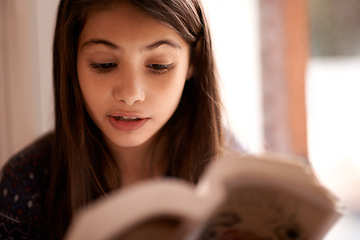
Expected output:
(119, 10)
(126, 24)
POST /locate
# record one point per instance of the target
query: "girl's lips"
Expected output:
(126, 123)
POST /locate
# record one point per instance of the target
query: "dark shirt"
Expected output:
(24, 183)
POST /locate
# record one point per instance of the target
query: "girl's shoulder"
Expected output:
(23, 187)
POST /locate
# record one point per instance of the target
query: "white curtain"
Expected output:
(235, 31)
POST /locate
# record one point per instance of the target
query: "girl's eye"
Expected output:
(103, 67)
(160, 68)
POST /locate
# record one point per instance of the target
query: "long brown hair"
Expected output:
(80, 157)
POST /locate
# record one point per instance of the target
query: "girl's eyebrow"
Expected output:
(99, 41)
(152, 46)
(168, 42)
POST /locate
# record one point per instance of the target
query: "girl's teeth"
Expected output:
(129, 118)
(125, 118)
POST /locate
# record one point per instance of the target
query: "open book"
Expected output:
(265, 197)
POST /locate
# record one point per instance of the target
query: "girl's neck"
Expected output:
(140, 162)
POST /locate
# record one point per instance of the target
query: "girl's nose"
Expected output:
(128, 88)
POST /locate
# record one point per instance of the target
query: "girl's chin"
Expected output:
(128, 144)
(130, 141)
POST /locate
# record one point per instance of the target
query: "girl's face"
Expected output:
(132, 70)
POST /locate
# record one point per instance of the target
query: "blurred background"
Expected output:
(333, 98)
(331, 76)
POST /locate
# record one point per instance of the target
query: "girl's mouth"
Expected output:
(127, 123)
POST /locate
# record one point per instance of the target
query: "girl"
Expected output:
(136, 97)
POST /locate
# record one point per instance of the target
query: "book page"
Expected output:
(166, 227)
(144, 211)
(263, 212)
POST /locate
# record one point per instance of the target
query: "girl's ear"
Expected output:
(190, 71)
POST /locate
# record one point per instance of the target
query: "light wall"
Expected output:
(25, 72)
